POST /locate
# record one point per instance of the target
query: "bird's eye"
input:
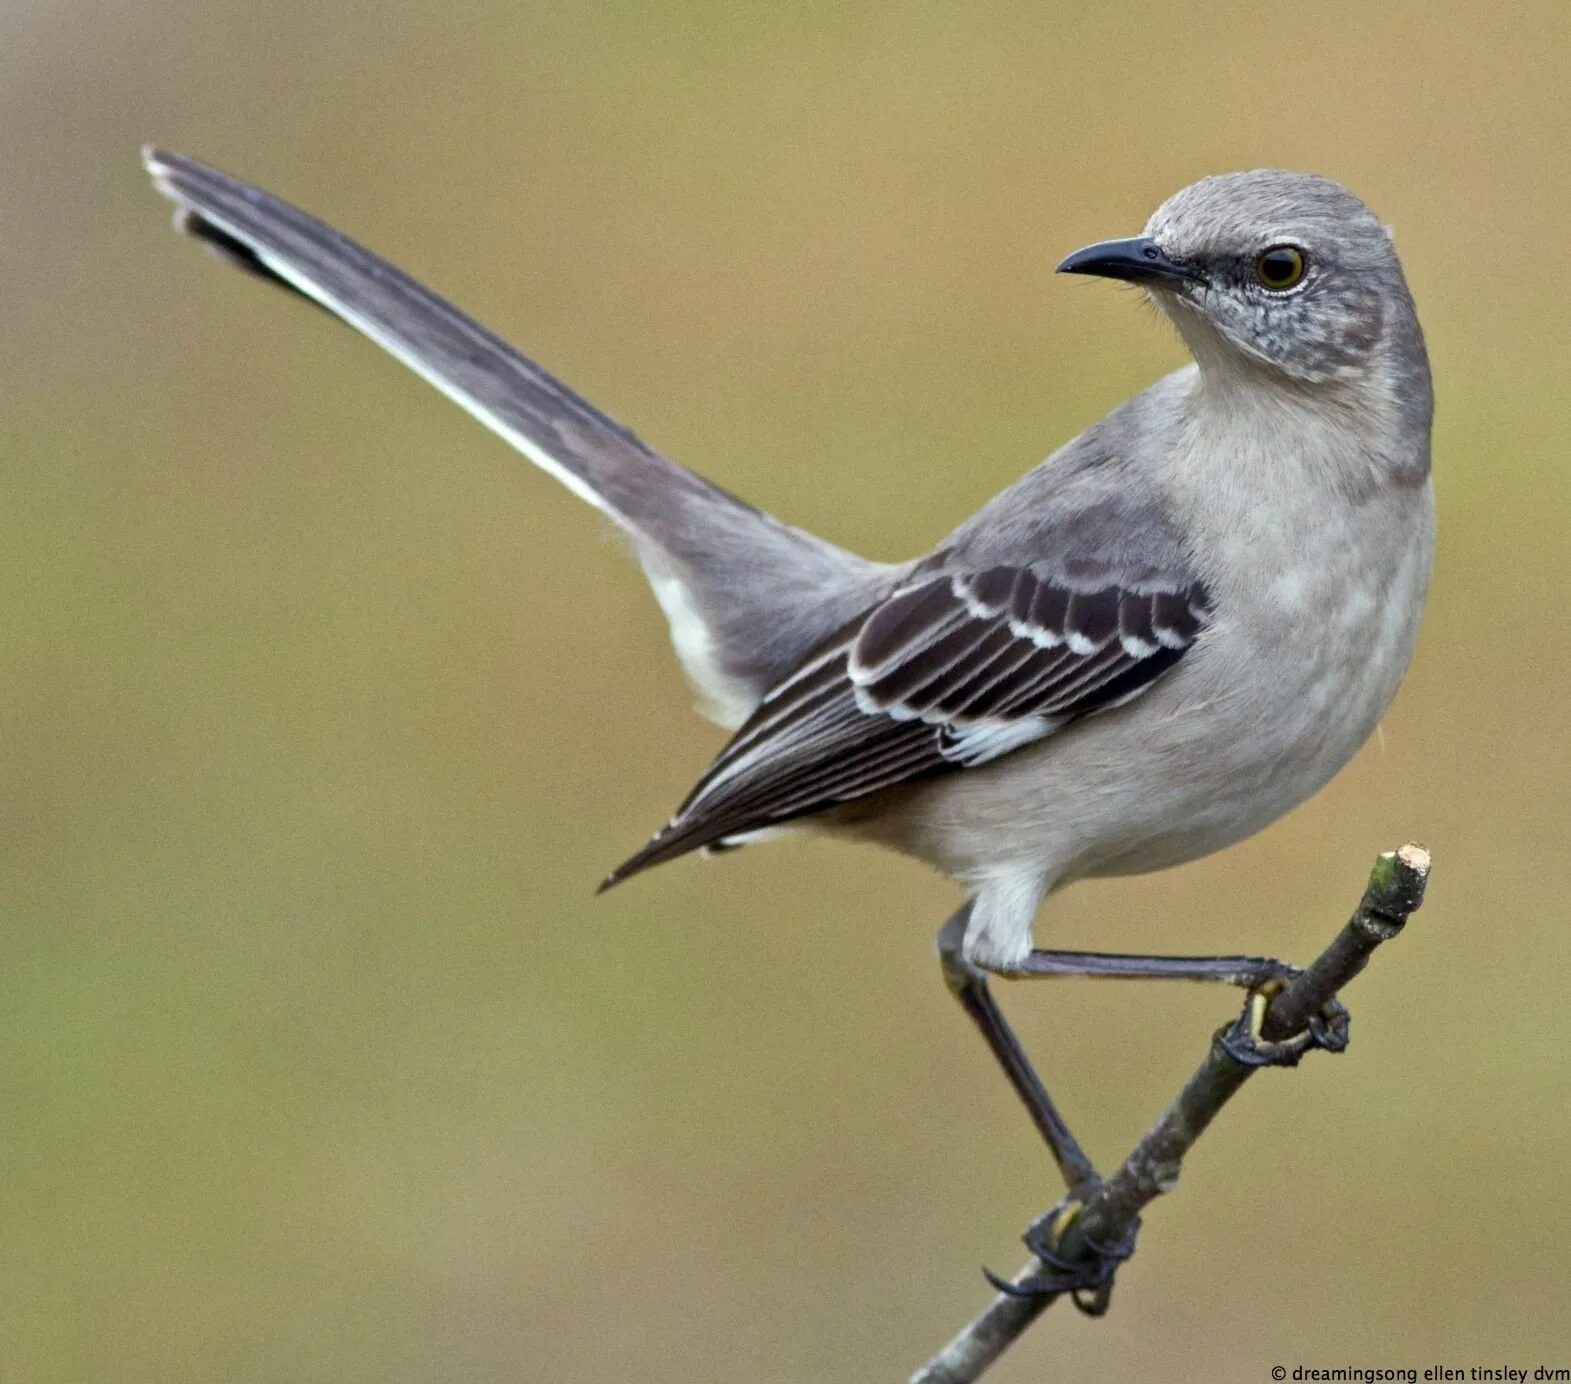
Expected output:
(1280, 267)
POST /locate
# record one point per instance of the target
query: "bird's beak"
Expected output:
(1138, 260)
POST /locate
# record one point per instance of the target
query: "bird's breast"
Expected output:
(1316, 613)
(1316, 610)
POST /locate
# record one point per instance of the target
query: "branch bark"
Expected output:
(1112, 1212)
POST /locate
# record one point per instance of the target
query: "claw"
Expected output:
(1116, 1252)
(1330, 1027)
(1242, 1041)
(1008, 1289)
(1088, 1281)
(1095, 1303)
(1090, 1277)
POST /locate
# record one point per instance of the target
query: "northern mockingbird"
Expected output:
(1176, 628)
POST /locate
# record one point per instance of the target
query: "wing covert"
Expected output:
(952, 670)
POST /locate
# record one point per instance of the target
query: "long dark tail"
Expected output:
(746, 595)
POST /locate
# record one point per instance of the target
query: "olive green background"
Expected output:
(323, 713)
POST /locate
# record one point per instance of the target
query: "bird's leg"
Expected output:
(1262, 976)
(969, 985)
(1251, 972)
(1089, 1280)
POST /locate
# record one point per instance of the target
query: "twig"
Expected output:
(1112, 1212)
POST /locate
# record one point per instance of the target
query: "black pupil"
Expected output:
(1278, 266)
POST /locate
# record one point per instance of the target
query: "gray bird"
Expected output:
(1174, 629)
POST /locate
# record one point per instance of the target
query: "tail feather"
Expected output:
(559, 431)
(747, 596)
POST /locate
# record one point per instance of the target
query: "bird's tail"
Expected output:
(746, 595)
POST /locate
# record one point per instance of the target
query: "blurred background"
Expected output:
(324, 713)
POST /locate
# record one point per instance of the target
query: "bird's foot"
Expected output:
(1088, 1281)
(1243, 1041)
(1269, 974)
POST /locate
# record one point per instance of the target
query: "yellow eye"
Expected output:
(1280, 267)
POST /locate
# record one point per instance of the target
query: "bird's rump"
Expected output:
(954, 669)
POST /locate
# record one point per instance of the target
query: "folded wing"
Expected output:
(951, 671)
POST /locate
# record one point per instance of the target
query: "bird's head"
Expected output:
(1275, 269)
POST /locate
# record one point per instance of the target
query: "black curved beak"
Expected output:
(1138, 260)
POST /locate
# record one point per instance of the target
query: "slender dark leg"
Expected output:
(969, 986)
(1251, 972)
(1260, 975)
(968, 983)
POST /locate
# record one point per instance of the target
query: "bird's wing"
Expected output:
(952, 670)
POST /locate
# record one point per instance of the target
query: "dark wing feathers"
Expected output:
(1176, 618)
(947, 673)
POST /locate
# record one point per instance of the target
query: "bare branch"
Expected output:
(1112, 1212)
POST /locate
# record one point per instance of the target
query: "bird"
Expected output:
(1155, 643)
